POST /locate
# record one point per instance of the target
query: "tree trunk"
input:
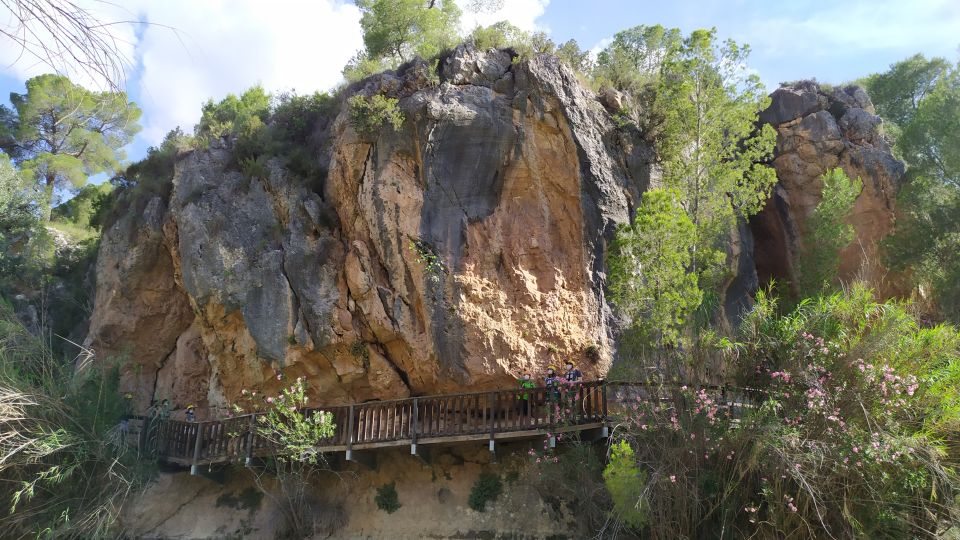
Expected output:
(48, 202)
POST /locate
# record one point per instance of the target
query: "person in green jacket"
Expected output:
(526, 383)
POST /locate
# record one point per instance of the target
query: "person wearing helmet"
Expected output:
(191, 414)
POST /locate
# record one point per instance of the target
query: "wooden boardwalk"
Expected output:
(476, 416)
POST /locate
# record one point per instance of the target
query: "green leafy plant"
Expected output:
(294, 430)
(387, 499)
(369, 115)
(359, 350)
(828, 232)
(487, 488)
(427, 256)
(850, 407)
(65, 467)
(625, 481)
(651, 279)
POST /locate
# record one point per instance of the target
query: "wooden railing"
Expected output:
(431, 419)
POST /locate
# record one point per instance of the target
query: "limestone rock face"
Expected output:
(453, 253)
(450, 254)
(818, 130)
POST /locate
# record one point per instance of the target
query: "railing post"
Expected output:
(413, 427)
(603, 393)
(248, 459)
(494, 398)
(198, 433)
(350, 434)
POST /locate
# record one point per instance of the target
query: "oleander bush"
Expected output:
(850, 431)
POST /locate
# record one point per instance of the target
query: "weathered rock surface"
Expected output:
(455, 252)
(819, 130)
(433, 502)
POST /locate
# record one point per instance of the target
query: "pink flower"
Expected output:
(673, 478)
(269, 400)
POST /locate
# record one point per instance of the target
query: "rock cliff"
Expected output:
(817, 130)
(457, 251)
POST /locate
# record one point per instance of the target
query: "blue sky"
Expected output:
(195, 50)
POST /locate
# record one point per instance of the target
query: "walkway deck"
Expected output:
(476, 416)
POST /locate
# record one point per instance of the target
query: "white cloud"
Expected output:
(193, 51)
(222, 47)
(521, 13)
(599, 47)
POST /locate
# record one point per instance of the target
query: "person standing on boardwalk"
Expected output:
(573, 378)
(525, 384)
(164, 412)
(552, 382)
(573, 375)
(191, 414)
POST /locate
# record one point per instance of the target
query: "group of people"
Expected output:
(162, 411)
(571, 378)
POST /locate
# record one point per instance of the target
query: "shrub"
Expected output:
(294, 431)
(827, 233)
(853, 434)
(370, 115)
(387, 499)
(486, 489)
(65, 468)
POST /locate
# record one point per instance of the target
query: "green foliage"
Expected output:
(22, 239)
(625, 481)
(569, 477)
(502, 35)
(487, 488)
(920, 99)
(427, 256)
(62, 133)
(141, 181)
(82, 208)
(292, 427)
(575, 57)
(241, 117)
(632, 64)
(398, 30)
(649, 267)
(387, 499)
(635, 57)
(369, 115)
(827, 233)
(65, 470)
(710, 148)
(854, 432)
(362, 66)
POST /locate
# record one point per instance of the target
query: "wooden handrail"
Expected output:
(478, 415)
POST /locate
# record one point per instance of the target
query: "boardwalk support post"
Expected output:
(349, 454)
(195, 466)
(413, 427)
(494, 399)
(603, 394)
(419, 451)
(248, 458)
